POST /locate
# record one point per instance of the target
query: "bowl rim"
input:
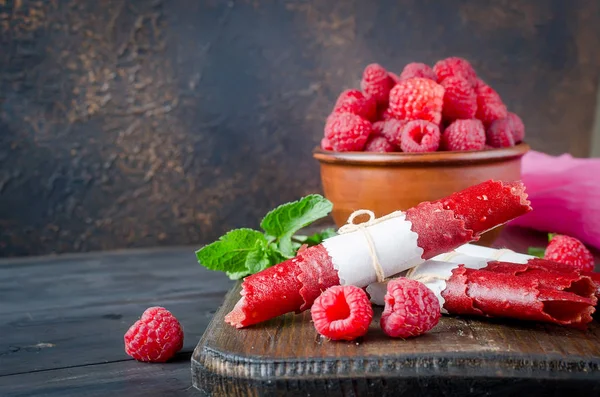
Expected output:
(430, 158)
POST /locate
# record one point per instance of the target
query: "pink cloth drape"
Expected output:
(565, 196)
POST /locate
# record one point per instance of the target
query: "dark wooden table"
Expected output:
(62, 319)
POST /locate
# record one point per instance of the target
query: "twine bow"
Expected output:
(351, 227)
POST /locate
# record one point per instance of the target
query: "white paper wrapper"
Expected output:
(434, 273)
(395, 246)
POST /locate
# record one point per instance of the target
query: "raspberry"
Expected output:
(464, 135)
(570, 251)
(455, 66)
(376, 83)
(155, 337)
(420, 136)
(386, 115)
(499, 134)
(416, 69)
(411, 309)
(378, 143)
(342, 313)
(347, 132)
(394, 77)
(417, 99)
(392, 131)
(517, 127)
(325, 145)
(489, 104)
(460, 99)
(353, 101)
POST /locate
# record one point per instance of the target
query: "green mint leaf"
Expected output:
(257, 260)
(237, 275)
(287, 219)
(319, 237)
(551, 236)
(536, 251)
(230, 253)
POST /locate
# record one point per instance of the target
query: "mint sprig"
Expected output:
(242, 252)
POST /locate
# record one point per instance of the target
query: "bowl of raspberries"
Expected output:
(417, 136)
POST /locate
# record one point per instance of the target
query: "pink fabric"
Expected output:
(565, 196)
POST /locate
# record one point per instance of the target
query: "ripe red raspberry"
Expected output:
(416, 69)
(342, 313)
(353, 101)
(570, 251)
(376, 83)
(460, 100)
(411, 309)
(499, 134)
(155, 337)
(325, 145)
(517, 127)
(420, 136)
(378, 143)
(417, 99)
(489, 104)
(392, 131)
(464, 135)
(394, 77)
(455, 66)
(347, 132)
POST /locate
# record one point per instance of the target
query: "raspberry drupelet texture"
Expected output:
(392, 130)
(411, 309)
(455, 66)
(464, 135)
(353, 101)
(417, 99)
(342, 313)
(325, 145)
(376, 83)
(347, 132)
(460, 99)
(489, 104)
(570, 251)
(378, 143)
(517, 127)
(499, 134)
(416, 69)
(155, 337)
(420, 136)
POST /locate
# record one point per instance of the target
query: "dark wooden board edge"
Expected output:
(218, 373)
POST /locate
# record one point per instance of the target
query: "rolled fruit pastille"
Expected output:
(534, 289)
(397, 243)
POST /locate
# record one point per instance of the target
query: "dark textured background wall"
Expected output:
(140, 123)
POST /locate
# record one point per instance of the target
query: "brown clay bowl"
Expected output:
(386, 182)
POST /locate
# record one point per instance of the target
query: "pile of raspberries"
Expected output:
(421, 110)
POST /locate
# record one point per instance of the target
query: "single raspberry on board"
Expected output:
(155, 337)
(517, 127)
(347, 132)
(392, 130)
(499, 134)
(416, 69)
(378, 143)
(376, 83)
(570, 251)
(353, 101)
(411, 309)
(464, 135)
(420, 136)
(489, 104)
(460, 99)
(417, 99)
(455, 66)
(325, 145)
(342, 313)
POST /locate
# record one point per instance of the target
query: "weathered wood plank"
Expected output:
(73, 310)
(128, 378)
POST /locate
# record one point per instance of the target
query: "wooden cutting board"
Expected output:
(460, 356)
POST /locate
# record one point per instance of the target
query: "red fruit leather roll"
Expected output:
(441, 226)
(541, 265)
(535, 295)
